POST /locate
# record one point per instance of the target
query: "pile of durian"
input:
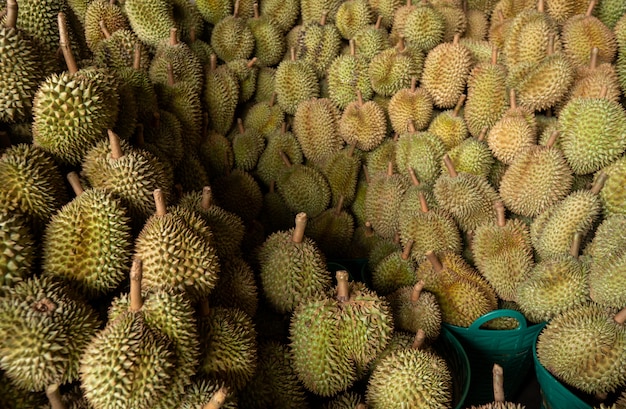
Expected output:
(176, 176)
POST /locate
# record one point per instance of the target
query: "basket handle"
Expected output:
(518, 316)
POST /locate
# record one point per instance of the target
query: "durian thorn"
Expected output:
(54, 396)
(205, 307)
(592, 5)
(550, 50)
(414, 180)
(251, 63)
(593, 61)
(459, 105)
(410, 126)
(170, 75)
(192, 35)
(483, 133)
(255, 8)
(498, 383)
(103, 28)
(339, 205)
(369, 231)
(207, 198)
(283, 128)
(137, 56)
(292, 53)
(456, 38)
(218, 399)
(359, 97)
(423, 203)
(500, 213)
(323, 18)
(541, 7)
(552, 140)
(173, 36)
(240, 126)
(159, 201)
(396, 237)
(343, 288)
(298, 231)
(3, 12)
(272, 186)
(236, 9)
(213, 62)
(366, 173)
(379, 22)
(512, 99)
(413, 83)
(11, 13)
(420, 338)
(352, 149)
(450, 166)
(140, 140)
(116, 147)
(494, 54)
(620, 317)
(599, 183)
(389, 168)
(574, 250)
(64, 42)
(74, 180)
(417, 291)
(285, 159)
(352, 47)
(406, 252)
(401, 46)
(136, 300)
(434, 260)
(273, 100)
(603, 91)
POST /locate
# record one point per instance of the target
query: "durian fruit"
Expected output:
(239, 193)
(216, 152)
(352, 16)
(221, 96)
(188, 19)
(455, 20)
(275, 215)
(190, 174)
(270, 163)
(560, 11)
(319, 43)
(449, 126)
(229, 346)
(382, 201)
(606, 269)
(17, 253)
(214, 11)
(248, 145)
(609, 12)
(480, 50)
(72, 399)
(129, 361)
(593, 132)
(415, 309)
(236, 287)
(486, 97)
(395, 271)
(246, 72)
(513, 133)
(583, 32)
(151, 20)
(346, 400)
(296, 82)
(169, 237)
(96, 228)
(472, 156)
(102, 17)
(208, 394)
(346, 74)
(378, 158)
(342, 172)
(538, 178)
(31, 184)
(422, 152)
(386, 10)
(314, 11)
(446, 69)
(555, 285)
(363, 240)
(114, 167)
(553, 230)
(503, 254)
(232, 38)
(371, 40)
(292, 268)
(265, 116)
(164, 139)
(424, 27)
(304, 188)
(393, 68)
(332, 230)
(584, 348)
(469, 198)
(477, 25)
(499, 401)
(44, 331)
(283, 13)
(201, 49)
(381, 249)
(413, 104)
(316, 127)
(363, 124)
(269, 42)
(20, 71)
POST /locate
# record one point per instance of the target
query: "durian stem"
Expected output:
(361, 406)
(603, 91)
(366, 173)
(192, 35)
(494, 54)
(541, 6)
(74, 180)
(236, 9)
(420, 338)
(459, 105)
(359, 97)
(240, 126)
(273, 101)
(218, 399)
(550, 50)
(285, 159)
(498, 383)
(401, 46)
(54, 396)
(170, 75)
(205, 307)
(298, 231)
(450, 166)
(434, 260)
(390, 168)
(352, 149)
(464, 7)
(500, 16)
(292, 53)
(339, 205)
(159, 201)
(255, 8)
(483, 133)
(64, 42)
(593, 61)
(413, 83)
(553, 137)
(207, 198)
(283, 128)
(501, 218)
(11, 11)
(512, 99)
(116, 147)
(352, 47)
(251, 63)
(423, 203)
(396, 237)
(103, 28)
(620, 317)
(136, 300)
(574, 250)
(112, 2)
(599, 183)
(379, 22)
(592, 5)
(137, 56)
(417, 291)
(406, 252)
(410, 126)
(414, 180)
(156, 115)
(213, 62)
(369, 231)
(456, 39)
(272, 186)
(173, 36)
(323, 18)
(343, 289)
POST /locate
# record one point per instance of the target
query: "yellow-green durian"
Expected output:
(165, 135)
(282, 13)
(185, 65)
(346, 74)
(248, 145)
(386, 9)
(612, 194)
(265, 117)
(18, 249)
(424, 27)
(316, 127)
(332, 230)
(378, 159)
(182, 100)
(319, 44)
(399, 21)
(190, 174)
(231, 38)
(609, 12)
(455, 20)
(270, 162)
(477, 25)
(269, 41)
(101, 18)
(246, 73)
(393, 68)
(188, 19)
(371, 40)
(203, 392)
(314, 10)
(152, 20)
(304, 188)
(395, 271)
(414, 104)
(382, 201)
(265, 84)
(422, 152)
(213, 11)
(583, 32)
(342, 171)
(352, 16)
(414, 309)
(363, 124)
(221, 96)
(295, 82)
(216, 153)
(472, 156)
(561, 10)
(449, 126)
(236, 287)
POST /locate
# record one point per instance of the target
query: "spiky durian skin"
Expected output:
(607, 267)
(410, 377)
(393, 272)
(311, 11)
(265, 118)
(295, 82)
(589, 83)
(424, 314)
(342, 172)
(424, 27)
(584, 347)
(229, 353)
(167, 136)
(472, 156)
(345, 400)
(236, 287)
(283, 13)
(421, 151)
(364, 125)
(455, 20)
(304, 189)
(346, 75)
(537, 179)
(239, 193)
(392, 70)
(318, 45)
(199, 394)
(216, 153)
(332, 231)
(127, 348)
(190, 174)
(247, 148)
(221, 96)
(446, 69)
(581, 33)
(270, 163)
(21, 72)
(246, 76)
(535, 28)
(43, 333)
(110, 14)
(185, 65)
(269, 42)
(151, 21)
(370, 41)
(352, 16)
(609, 12)
(382, 203)
(450, 128)
(213, 11)
(184, 101)
(553, 230)
(486, 97)
(291, 272)
(316, 127)
(88, 243)
(232, 39)
(593, 133)
(477, 25)
(17, 252)
(406, 105)
(511, 135)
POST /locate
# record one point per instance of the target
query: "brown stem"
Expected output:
(136, 300)
(434, 260)
(369, 230)
(272, 186)
(410, 126)
(159, 201)
(137, 56)
(417, 291)
(367, 173)
(459, 105)
(54, 396)
(207, 198)
(423, 203)
(396, 237)
(116, 147)
(550, 50)
(255, 8)
(500, 216)
(251, 63)
(140, 140)
(323, 18)
(213, 62)
(339, 205)
(298, 231)
(500, 16)
(352, 47)
(105, 32)
(352, 149)
(74, 180)
(218, 399)
(450, 166)
(413, 83)
(236, 9)
(494, 54)
(603, 91)
(420, 338)
(574, 250)
(552, 140)
(512, 99)
(593, 62)
(292, 53)
(272, 102)
(379, 22)
(361, 406)
(620, 317)
(483, 133)
(173, 36)
(285, 159)
(205, 307)
(343, 288)
(541, 6)
(406, 252)
(599, 183)
(401, 46)
(390, 168)
(359, 97)
(498, 383)
(64, 42)
(240, 126)
(414, 180)
(170, 75)
(156, 115)
(11, 14)
(456, 38)
(592, 5)
(192, 35)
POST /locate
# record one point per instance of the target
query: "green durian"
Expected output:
(283, 13)
(342, 172)
(449, 126)
(209, 393)
(265, 116)
(295, 82)
(319, 44)
(424, 27)
(270, 163)
(314, 11)
(101, 18)
(393, 69)
(185, 65)
(166, 135)
(236, 287)
(316, 127)
(371, 40)
(248, 145)
(415, 309)
(332, 230)
(188, 19)
(382, 201)
(231, 38)
(352, 16)
(422, 152)
(269, 42)
(410, 104)
(18, 255)
(472, 156)
(346, 74)
(216, 153)
(304, 188)
(221, 96)
(190, 174)
(214, 11)
(150, 20)
(246, 73)
(394, 271)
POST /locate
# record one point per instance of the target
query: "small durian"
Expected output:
(316, 127)
(247, 73)
(283, 13)
(346, 74)
(415, 309)
(386, 10)
(424, 27)
(382, 201)
(270, 163)
(319, 43)
(332, 230)
(221, 96)
(150, 20)
(214, 11)
(371, 40)
(352, 16)
(477, 25)
(236, 287)
(449, 126)
(378, 158)
(295, 82)
(315, 10)
(269, 42)
(413, 104)
(248, 145)
(190, 174)
(216, 152)
(363, 124)
(102, 14)
(265, 116)
(395, 271)
(231, 38)
(342, 172)
(472, 156)
(393, 68)
(208, 394)
(422, 152)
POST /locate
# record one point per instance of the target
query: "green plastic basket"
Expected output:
(511, 349)
(452, 351)
(554, 394)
